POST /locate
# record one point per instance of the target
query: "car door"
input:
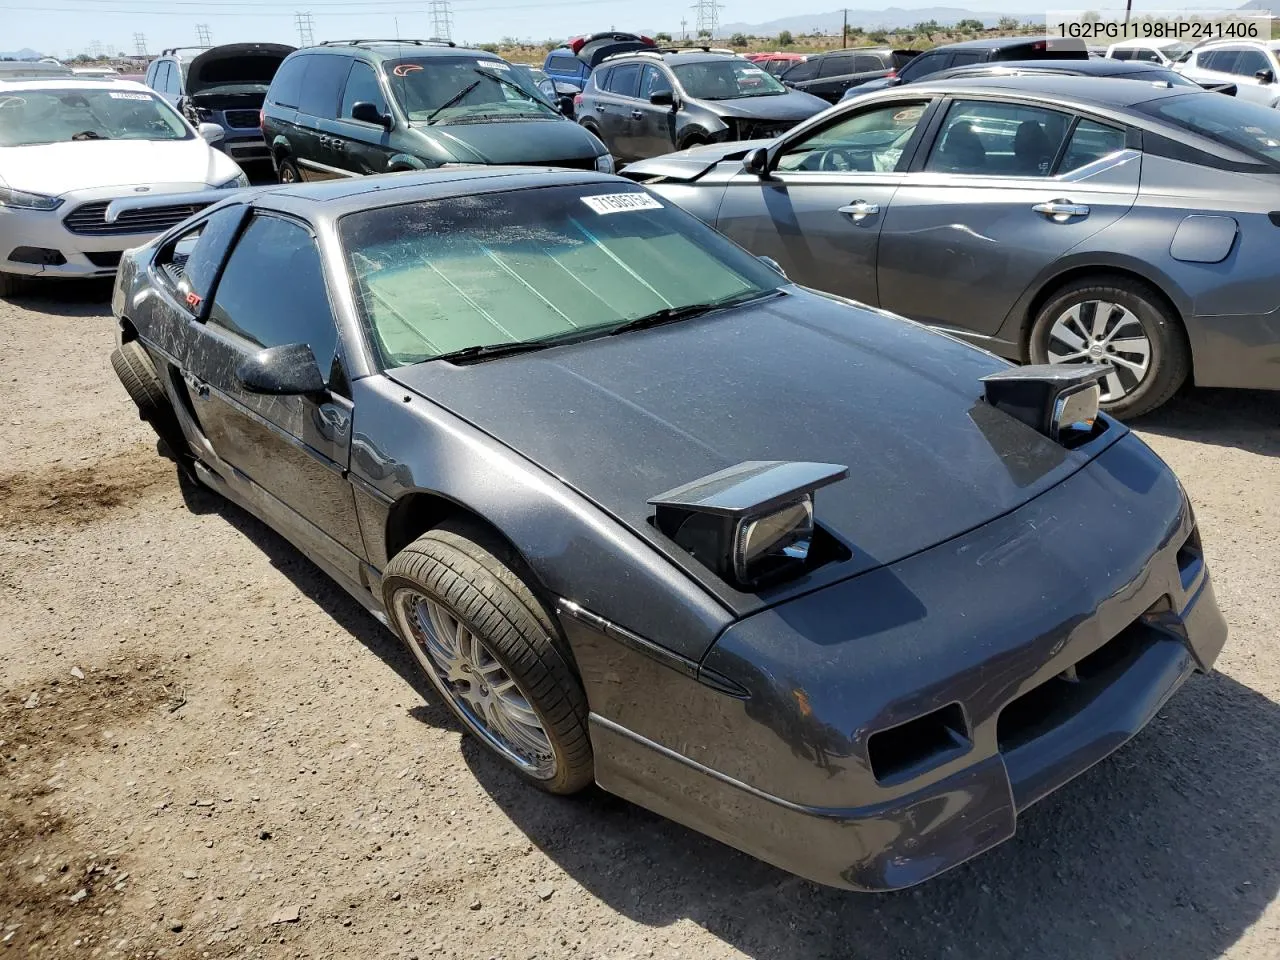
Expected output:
(834, 76)
(820, 210)
(655, 130)
(1217, 66)
(289, 453)
(923, 65)
(1254, 76)
(614, 109)
(360, 147)
(1005, 188)
(315, 150)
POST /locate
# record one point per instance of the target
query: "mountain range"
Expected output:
(891, 18)
(26, 53)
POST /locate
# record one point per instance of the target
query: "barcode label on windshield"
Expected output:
(116, 95)
(493, 64)
(621, 202)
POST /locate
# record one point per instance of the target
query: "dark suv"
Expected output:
(976, 51)
(223, 85)
(650, 102)
(353, 107)
(830, 74)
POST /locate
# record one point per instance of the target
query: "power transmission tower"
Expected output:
(684, 29)
(708, 16)
(306, 29)
(140, 44)
(96, 49)
(441, 12)
(204, 36)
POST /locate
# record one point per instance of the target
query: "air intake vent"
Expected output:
(90, 219)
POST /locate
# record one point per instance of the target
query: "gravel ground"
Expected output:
(207, 750)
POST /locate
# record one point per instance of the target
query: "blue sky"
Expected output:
(56, 26)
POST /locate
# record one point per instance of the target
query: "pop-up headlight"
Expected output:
(751, 523)
(1060, 400)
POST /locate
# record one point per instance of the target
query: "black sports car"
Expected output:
(837, 590)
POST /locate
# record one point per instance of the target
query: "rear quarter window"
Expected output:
(322, 85)
(286, 86)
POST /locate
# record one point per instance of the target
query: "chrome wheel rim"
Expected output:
(1098, 331)
(286, 175)
(466, 672)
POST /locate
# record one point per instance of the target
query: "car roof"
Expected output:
(1147, 43)
(396, 49)
(72, 82)
(331, 199)
(990, 43)
(1102, 91)
(1093, 67)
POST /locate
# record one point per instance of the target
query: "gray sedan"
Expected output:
(1051, 219)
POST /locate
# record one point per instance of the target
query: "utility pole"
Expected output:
(441, 12)
(1128, 7)
(844, 31)
(204, 37)
(684, 29)
(140, 44)
(306, 28)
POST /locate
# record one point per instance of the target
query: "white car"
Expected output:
(67, 148)
(1164, 52)
(1250, 65)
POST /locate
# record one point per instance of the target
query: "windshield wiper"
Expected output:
(675, 314)
(452, 100)
(514, 86)
(88, 135)
(488, 351)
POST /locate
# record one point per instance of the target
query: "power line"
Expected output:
(363, 10)
(140, 44)
(306, 29)
(204, 36)
(708, 16)
(441, 12)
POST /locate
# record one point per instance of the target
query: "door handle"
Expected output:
(324, 141)
(859, 209)
(1060, 211)
(337, 144)
(196, 385)
(637, 115)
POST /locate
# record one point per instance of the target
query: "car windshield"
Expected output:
(30, 117)
(1176, 51)
(726, 80)
(462, 89)
(1248, 127)
(435, 277)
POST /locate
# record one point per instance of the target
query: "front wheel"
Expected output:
(493, 654)
(1120, 322)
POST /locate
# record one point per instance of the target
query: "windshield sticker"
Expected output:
(404, 69)
(115, 95)
(752, 70)
(621, 202)
(493, 64)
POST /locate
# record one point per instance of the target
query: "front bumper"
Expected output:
(1038, 643)
(81, 255)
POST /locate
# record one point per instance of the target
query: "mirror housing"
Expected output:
(211, 132)
(366, 112)
(757, 162)
(1265, 76)
(662, 98)
(774, 265)
(287, 371)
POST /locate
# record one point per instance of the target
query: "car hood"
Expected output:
(56, 168)
(799, 377)
(513, 141)
(794, 105)
(692, 163)
(235, 65)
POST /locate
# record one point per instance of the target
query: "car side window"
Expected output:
(923, 65)
(962, 58)
(998, 139)
(564, 64)
(625, 79)
(653, 81)
(1249, 62)
(273, 293)
(866, 63)
(1222, 61)
(1125, 54)
(188, 263)
(836, 65)
(1090, 141)
(362, 87)
(322, 85)
(286, 85)
(804, 70)
(1148, 55)
(870, 141)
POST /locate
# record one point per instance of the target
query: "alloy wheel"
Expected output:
(1099, 331)
(481, 690)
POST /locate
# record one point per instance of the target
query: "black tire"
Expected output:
(592, 129)
(287, 171)
(473, 577)
(138, 374)
(693, 140)
(11, 284)
(1170, 356)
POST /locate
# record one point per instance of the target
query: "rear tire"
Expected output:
(492, 652)
(287, 171)
(1123, 322)
(137, 373)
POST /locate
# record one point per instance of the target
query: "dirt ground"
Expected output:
(207, 750)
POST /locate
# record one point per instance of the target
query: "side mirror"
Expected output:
(211, 132)
(1265, 76)
(288, 371)
(662, 98)
(366, 112)
(757, 162)
(773, 264)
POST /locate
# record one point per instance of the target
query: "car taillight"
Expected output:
(577, 100)
(891, 74)
(576, 45)
(262, 118)
(647, 41)
(1039, 45)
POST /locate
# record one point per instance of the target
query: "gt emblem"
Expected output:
(193, 299)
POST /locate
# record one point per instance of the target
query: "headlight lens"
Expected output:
(773, 541)
(604, 163)
(238, 181)
(21, 200)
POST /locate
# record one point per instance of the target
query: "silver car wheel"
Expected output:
(1097, 331)
(464, 670)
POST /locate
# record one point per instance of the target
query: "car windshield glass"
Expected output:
(1176, 51)
(432, 88)
(1248, 127)
(726, 80)
(435, 277)
(31, 117)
